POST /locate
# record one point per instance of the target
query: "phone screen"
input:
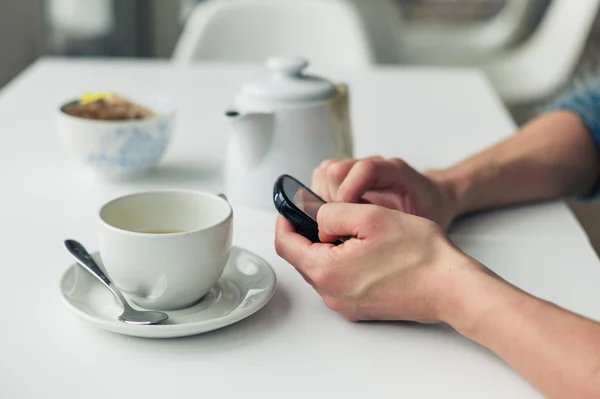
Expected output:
(302, 197)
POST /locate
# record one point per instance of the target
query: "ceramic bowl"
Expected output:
(118, 148)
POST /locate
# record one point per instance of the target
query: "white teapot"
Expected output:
(284, 122)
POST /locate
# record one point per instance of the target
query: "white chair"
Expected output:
(531, 70)
(381, 20)
(429, 44)
(327, 32)
(544, 63)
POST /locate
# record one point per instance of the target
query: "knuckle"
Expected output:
(326, 164)
(320, 172)
(367, 166)
(315, 178)
(373, 217)
(316, 174)
(336, 171)
(398, 163)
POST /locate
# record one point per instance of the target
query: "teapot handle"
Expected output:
(339, 106)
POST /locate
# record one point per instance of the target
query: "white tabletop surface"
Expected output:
(295, 346)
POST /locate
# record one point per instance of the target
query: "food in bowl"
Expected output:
(107, 106)
(117, 143)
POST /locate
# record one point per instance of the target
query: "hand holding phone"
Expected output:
(298, 204)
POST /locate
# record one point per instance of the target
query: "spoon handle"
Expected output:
(84, 258)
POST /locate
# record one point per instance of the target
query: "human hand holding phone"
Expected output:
(300, 206)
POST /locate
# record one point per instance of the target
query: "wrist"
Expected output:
(452, 187)
(458, 274)
(474, 295)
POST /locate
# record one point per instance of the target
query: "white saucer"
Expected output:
(247, 284)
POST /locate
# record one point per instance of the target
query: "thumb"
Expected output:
(354, 220)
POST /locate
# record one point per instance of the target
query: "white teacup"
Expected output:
(166, 249)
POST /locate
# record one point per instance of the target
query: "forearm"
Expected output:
(553, 156)
(557, 351)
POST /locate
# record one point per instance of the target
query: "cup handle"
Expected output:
(223, 196)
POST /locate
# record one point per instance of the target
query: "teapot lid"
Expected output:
(285, 81)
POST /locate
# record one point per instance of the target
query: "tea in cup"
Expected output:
(166, 249)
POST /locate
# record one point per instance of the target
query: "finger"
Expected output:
(319, 182)
(335, 175)
(384, 199)
(355, 220)
(367, 175)
(341, 173)
(295, 248)
(327, 238)
(283, 226)
(289, 247)
(288, 243)
(373, 158)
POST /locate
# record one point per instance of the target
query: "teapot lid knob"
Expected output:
(284, 83)
(291, 66)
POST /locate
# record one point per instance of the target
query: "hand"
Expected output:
(397, 266)
(390, 183)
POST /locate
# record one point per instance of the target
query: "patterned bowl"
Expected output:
(118, 148)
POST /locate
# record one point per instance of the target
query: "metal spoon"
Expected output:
(129, 315)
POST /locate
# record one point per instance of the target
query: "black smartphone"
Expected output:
(298, 204)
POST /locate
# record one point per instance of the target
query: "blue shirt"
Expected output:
(586, 104)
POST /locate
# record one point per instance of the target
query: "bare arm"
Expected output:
(402, 267)
(551, 157)
(557, 351)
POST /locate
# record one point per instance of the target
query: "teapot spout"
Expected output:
(252, 135)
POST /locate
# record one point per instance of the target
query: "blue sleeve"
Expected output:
(586, 104)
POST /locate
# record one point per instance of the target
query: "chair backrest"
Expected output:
(464, 43)
(547, 60)
(327, 32)
(382, 20)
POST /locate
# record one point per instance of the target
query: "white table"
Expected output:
(294, 347)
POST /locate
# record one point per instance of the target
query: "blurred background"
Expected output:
(470, 33)
(532, 51)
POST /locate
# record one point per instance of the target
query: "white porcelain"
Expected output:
(165, 271)
(118, 148)
(284, 83)
(247, 284)
(284, 122)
